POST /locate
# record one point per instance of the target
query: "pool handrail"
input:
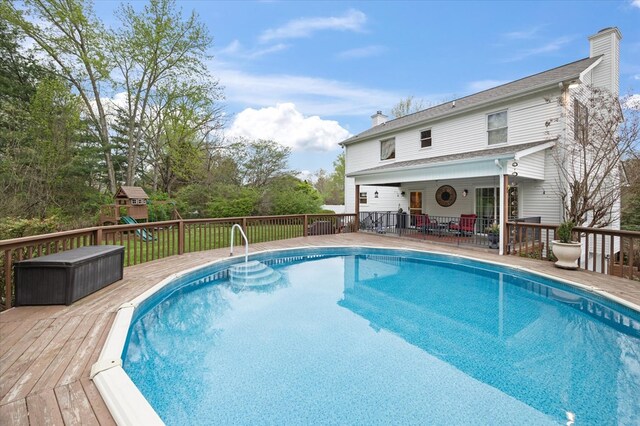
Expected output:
(246, 242)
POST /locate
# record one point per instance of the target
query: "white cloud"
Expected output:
(637, 76)
(286, 125)
(313, 95)
(362, 52)
(525, 34)
(549, 47)
(352, 20)
(306, 175)
(480, 85)
(235, 49)
(635, 3)
(632, 102)
(111, 105)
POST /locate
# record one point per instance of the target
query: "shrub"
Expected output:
(11, 227)
(564, 233)
(493, 229)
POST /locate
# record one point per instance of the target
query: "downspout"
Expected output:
(503, 220)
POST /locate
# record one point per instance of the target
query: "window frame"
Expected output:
(506, 111)
(365, 198)
(580, 121)
(394, 149)
(430, 130)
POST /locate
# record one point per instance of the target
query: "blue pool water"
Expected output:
(355, 336)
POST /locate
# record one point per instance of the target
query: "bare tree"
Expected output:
(407, 106)
(602, 132)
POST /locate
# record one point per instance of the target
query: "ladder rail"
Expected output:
(246, 241)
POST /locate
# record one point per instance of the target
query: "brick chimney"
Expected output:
(378, 118)
(606, 74)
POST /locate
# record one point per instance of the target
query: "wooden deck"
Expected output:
(46, 352)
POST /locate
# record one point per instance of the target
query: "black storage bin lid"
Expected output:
(71, 257)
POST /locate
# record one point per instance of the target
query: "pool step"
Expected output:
(253, 274)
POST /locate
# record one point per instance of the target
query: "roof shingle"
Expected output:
(545, 78)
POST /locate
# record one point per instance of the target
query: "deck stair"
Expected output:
(253, 274)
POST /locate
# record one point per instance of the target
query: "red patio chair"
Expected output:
(465, 226)
(425, 223)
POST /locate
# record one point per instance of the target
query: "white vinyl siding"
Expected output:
(540, 198)
(465, 132)
(389, 198)
(606, 74)
(497, 128)
(532, 166)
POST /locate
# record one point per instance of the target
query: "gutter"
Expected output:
(429, 165)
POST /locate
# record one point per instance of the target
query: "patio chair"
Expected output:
(465, 226)
(425, 223)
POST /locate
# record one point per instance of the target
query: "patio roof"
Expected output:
(503, 152)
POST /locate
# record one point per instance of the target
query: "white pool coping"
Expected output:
(126, 403)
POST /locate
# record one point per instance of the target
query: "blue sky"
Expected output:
(309, 74)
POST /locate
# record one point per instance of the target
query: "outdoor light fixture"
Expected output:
(375, 194)
(465, 193)
(402, 193)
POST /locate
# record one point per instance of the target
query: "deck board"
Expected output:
(9, 339)
(28, 358)
(74, 405)
(42, 361)
(25, 345)
(50, 377)
(87, 347)
(46, 352)
(15, 413)
(43, 409)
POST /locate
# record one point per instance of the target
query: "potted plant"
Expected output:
(493, 235)
(564, 249)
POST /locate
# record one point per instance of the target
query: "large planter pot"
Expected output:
(567, 254)
(494, 240)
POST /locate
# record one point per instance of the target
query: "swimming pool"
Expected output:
(361, 336)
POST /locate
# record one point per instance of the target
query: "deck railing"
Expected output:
(145, 242)
(445, 229)
(604, 250)
(608, 251)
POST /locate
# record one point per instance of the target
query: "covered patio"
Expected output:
(461, 198)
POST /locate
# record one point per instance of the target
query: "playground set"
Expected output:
(130, 207)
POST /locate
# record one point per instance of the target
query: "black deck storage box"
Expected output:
(65, 277)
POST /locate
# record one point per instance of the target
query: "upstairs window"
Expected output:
(497, 127)
(425, 138)
(363, 198)
(388, 149)
(580, 121)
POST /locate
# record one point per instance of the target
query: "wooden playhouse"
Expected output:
(129, 201)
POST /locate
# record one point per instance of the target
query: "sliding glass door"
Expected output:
(488, 205)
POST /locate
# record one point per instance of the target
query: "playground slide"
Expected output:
(142, 233)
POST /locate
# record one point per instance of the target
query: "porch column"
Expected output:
(357, 221)
(504, 209)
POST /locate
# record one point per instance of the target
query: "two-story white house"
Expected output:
(488, 153)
